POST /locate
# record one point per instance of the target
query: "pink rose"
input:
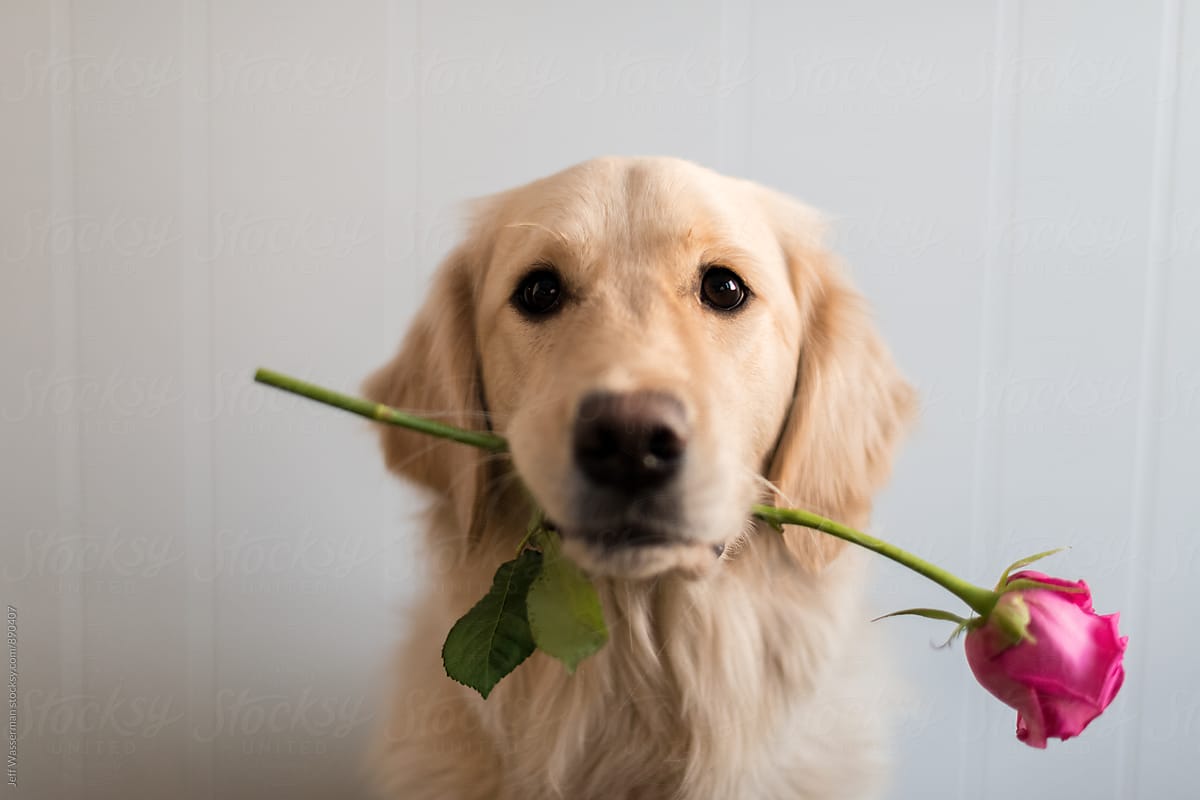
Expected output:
(1063, 673)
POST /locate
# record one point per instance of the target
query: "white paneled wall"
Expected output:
(208, 576)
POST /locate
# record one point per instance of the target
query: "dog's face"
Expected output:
(636, 329)
(639, 340)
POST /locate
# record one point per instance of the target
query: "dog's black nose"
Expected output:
(631, 441)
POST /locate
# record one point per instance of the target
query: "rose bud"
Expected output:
(1046, 653)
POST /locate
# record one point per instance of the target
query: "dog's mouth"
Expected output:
(636, 549)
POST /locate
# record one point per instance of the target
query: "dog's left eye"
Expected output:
(539, 292)
(722, 289)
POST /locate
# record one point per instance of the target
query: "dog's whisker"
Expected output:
(772, 490)
(562, 238)
(414, 456)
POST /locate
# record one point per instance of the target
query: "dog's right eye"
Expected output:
(722, 289)
(539, 292)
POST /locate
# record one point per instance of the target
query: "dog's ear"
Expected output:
(436, 374)
(851, 404)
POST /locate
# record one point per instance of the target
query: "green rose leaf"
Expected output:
(564, 609)
(493, 638)
(928, 613)
(1024, 562)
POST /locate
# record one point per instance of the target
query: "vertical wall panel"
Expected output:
(1162, 742)
(126, 86)
(39, 418)
(196, 358)
(296, 245)
(999, 250)
(66, 702)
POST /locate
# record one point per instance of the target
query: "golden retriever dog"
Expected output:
(662, 346)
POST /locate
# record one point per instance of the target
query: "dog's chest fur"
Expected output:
(747, 684)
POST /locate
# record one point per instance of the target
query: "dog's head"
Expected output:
(652, 338)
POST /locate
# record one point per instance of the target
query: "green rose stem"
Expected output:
(981, 600)
(379, 412)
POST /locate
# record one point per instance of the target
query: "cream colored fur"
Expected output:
(751, 676)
